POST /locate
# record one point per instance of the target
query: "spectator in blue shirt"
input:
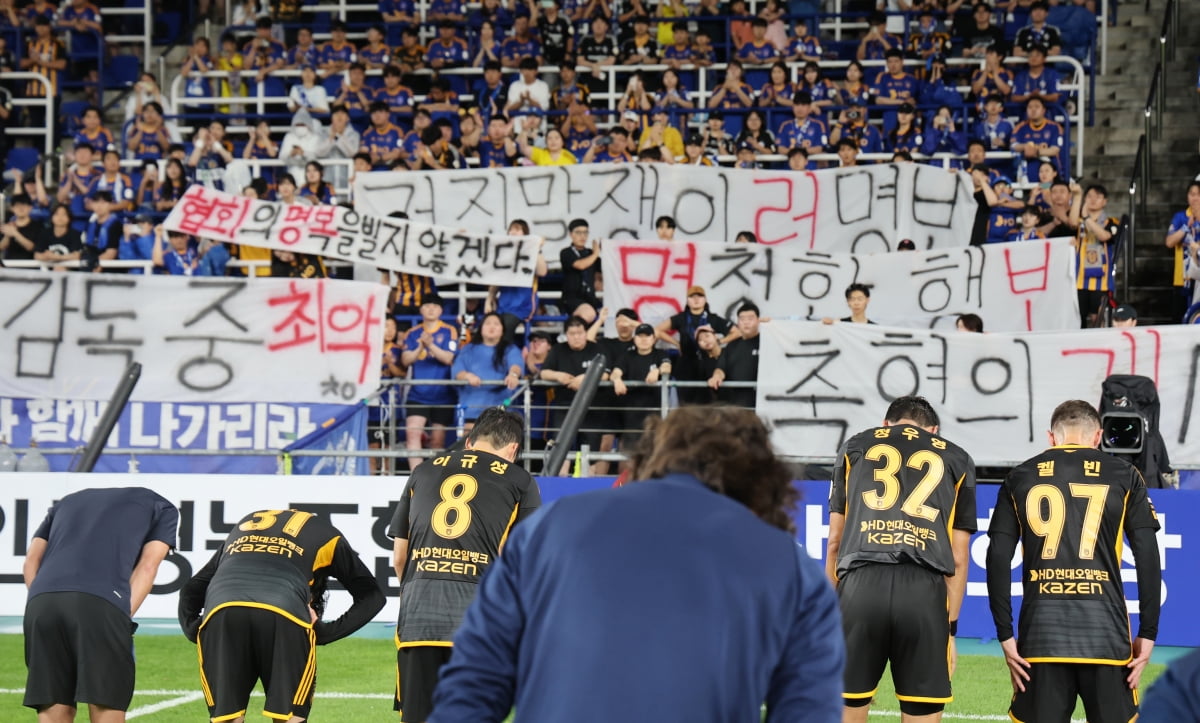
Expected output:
(759, 51)
(520, 45)
(1036, 80)
(490, 357)
(713, 468)
(804, 47)
(179, 256)
(804, 130)
(942, 135)
(452, 10)
(429, 350)
(894, 86)
(877, 41)
(449, 50)
(1175, 697)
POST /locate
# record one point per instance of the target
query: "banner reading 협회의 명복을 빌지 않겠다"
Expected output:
(447, 252)
(1023, 286)
(860, 210)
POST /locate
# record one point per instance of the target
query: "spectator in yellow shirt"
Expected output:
(659, 134)
(554, 154)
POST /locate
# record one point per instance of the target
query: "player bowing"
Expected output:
(254, 611)
(1069, 506)
(448, 528)
(901, 514)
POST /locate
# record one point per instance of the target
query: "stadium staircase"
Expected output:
(1112, 144)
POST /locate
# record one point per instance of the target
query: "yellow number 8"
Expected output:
(456, 492)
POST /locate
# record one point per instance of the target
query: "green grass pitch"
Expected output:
(355, 678)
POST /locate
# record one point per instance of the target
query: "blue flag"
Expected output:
(346, 432)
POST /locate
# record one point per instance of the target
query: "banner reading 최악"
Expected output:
(994, 392)
(1024, 286)
(354, 235)
(860, 210)
(71, 336)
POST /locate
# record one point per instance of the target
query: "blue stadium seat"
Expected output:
(167, 27)
(22, 159)
(71, 116)
(121, 71)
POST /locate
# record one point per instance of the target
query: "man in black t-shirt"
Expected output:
(254, 611)
(90, 565)
(19, 236)
(596, 52)
(685, 324)
(978, 36)
(579, 266)
(608, 408)
(644, 364)
(566, 364)
(448, 528)
(739, 361)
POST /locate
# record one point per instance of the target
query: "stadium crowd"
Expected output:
(280, 108)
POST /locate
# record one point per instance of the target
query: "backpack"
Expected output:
(1135, 393)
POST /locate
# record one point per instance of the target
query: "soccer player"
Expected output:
(901, 514)
(448, 529)
(90, 565)
(629, 605)
(254, 611)
(1068, 507)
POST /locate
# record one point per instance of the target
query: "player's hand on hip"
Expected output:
(1141, 656)
(1018, 667)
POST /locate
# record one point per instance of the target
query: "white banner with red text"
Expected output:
(208, 340)
(819, 384)
(448, 253)
(1023, 286)
(863, 209)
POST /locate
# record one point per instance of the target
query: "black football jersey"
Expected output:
(457, 512)
(271, 559)
(903, 490)
(1069, 507)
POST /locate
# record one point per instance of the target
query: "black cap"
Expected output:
(546, 335)
(745, 146)
(695, 139)
(1038, 47)
(432, 299)
(906, 108)
(906, 245)
(644, 329)
(143, 218)
(1124, 312)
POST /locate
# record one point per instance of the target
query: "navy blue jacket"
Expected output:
(1175, 697)
(661, 600)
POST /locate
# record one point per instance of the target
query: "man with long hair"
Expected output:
(681, 596)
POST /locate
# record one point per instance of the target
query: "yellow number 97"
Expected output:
(456, 492)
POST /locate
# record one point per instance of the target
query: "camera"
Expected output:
(853, 115)
(603, 140)
(1122, 432)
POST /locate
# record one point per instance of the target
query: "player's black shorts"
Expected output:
(433, 414)
(416, 676)
(1050, 694)
(896, 613)
(238, 645)
(79, 649)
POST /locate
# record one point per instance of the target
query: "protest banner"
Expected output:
(450, 254)
(1024, 286)
(70, 336)
(863, 209)
(219, 428)
(819, 384)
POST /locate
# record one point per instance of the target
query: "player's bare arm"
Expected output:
(33, 559)
(142, 579)
(837, 523)
(399, 557)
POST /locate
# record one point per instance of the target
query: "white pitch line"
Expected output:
(186, 696)
(163, 705)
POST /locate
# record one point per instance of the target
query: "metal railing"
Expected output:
(145, 37)
(47, 104)
(1152, 126)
